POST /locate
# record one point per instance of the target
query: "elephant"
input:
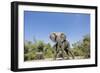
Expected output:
(61, 46)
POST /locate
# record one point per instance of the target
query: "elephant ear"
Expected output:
(53, 37)
(63, 37)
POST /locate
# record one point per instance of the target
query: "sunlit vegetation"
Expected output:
(82, 47)
(39, 50)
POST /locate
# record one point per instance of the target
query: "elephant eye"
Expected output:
(63, 36)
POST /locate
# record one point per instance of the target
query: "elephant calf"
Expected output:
(61, 46)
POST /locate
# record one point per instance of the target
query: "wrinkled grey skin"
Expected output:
(61, 45)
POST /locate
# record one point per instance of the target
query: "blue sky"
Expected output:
(41, 24)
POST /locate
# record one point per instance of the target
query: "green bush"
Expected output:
(80, 48)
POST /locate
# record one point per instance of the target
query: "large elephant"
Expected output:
(61, 46)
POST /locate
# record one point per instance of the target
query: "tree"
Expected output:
(29, 51)
(82, 47)
(86, 44)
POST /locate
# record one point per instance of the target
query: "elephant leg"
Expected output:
(55, 56)
(55, 53)
(63, 53)
(71, 54)
(67, 52)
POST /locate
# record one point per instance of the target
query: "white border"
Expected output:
(22, 64)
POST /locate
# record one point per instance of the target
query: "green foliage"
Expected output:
(82, 47)
(48, 51)
(32, 50)
(37, 49)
